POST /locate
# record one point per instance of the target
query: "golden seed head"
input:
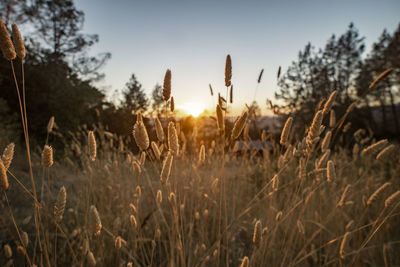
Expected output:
(326, 141)
(359, 133)
(140, 134)
(211, 90)
(343, 197)
(167, 85)
(6, 44)
(346, 128)
(90, 259)
(205, 213)
(315, 126)
(142, 158)
(342, 251)
(47, 156)
(386, 152)
(8, 155)
(59, 207)
(391, 198)
(239, 125)
(95, 220)
(300, 227)
(166, 169)
(324, 159)
(260, 76)
(202, 154)
(138, 192)
(156, 151)
(50, 124)
(214, 185)
(329, 103)
(3, 177)
(349, 224)
(159, 196)
(159, 130)
(220, 118)
(257, 235)
(278, 215)
(18, 42)
(172, 199)
(133, 208)
(279, 72)
(275, 182)
(7, 251)
(245, 262)
(25, 239)
(228, 70)
(264, 231)
(374, 148)
(351, 107)
(92, 145)
(321, 104)
(380, 77)
(330, 171)
(118, 242)
(21, 250)
(173, 142)
(136, 167)
(286, 131)
(172, 104)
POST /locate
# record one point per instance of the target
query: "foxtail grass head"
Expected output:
(167, 85)
(18, 42)
(47, 156)
(228, 71)
(6, 44)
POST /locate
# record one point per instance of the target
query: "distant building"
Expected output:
(258, 145)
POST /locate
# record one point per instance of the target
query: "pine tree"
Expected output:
(134, 97)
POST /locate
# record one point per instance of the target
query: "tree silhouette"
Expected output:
(316, 73)
(134, 97)
(157, 99)
(384, 55)
(58, 72)
(58, 26)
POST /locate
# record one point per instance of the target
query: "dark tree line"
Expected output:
(60, 74)
(340, 66)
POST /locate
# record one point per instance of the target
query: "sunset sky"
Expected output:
(192, 38)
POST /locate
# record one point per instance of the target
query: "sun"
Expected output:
(192, 108)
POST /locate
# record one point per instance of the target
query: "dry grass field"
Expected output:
(306, 202)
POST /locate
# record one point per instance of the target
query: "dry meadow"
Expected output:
(301, 201)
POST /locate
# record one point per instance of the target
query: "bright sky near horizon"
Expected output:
(192, 38)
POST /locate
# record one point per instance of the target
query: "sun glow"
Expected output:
(192, 108)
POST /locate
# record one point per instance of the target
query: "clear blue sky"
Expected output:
(192, 38)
